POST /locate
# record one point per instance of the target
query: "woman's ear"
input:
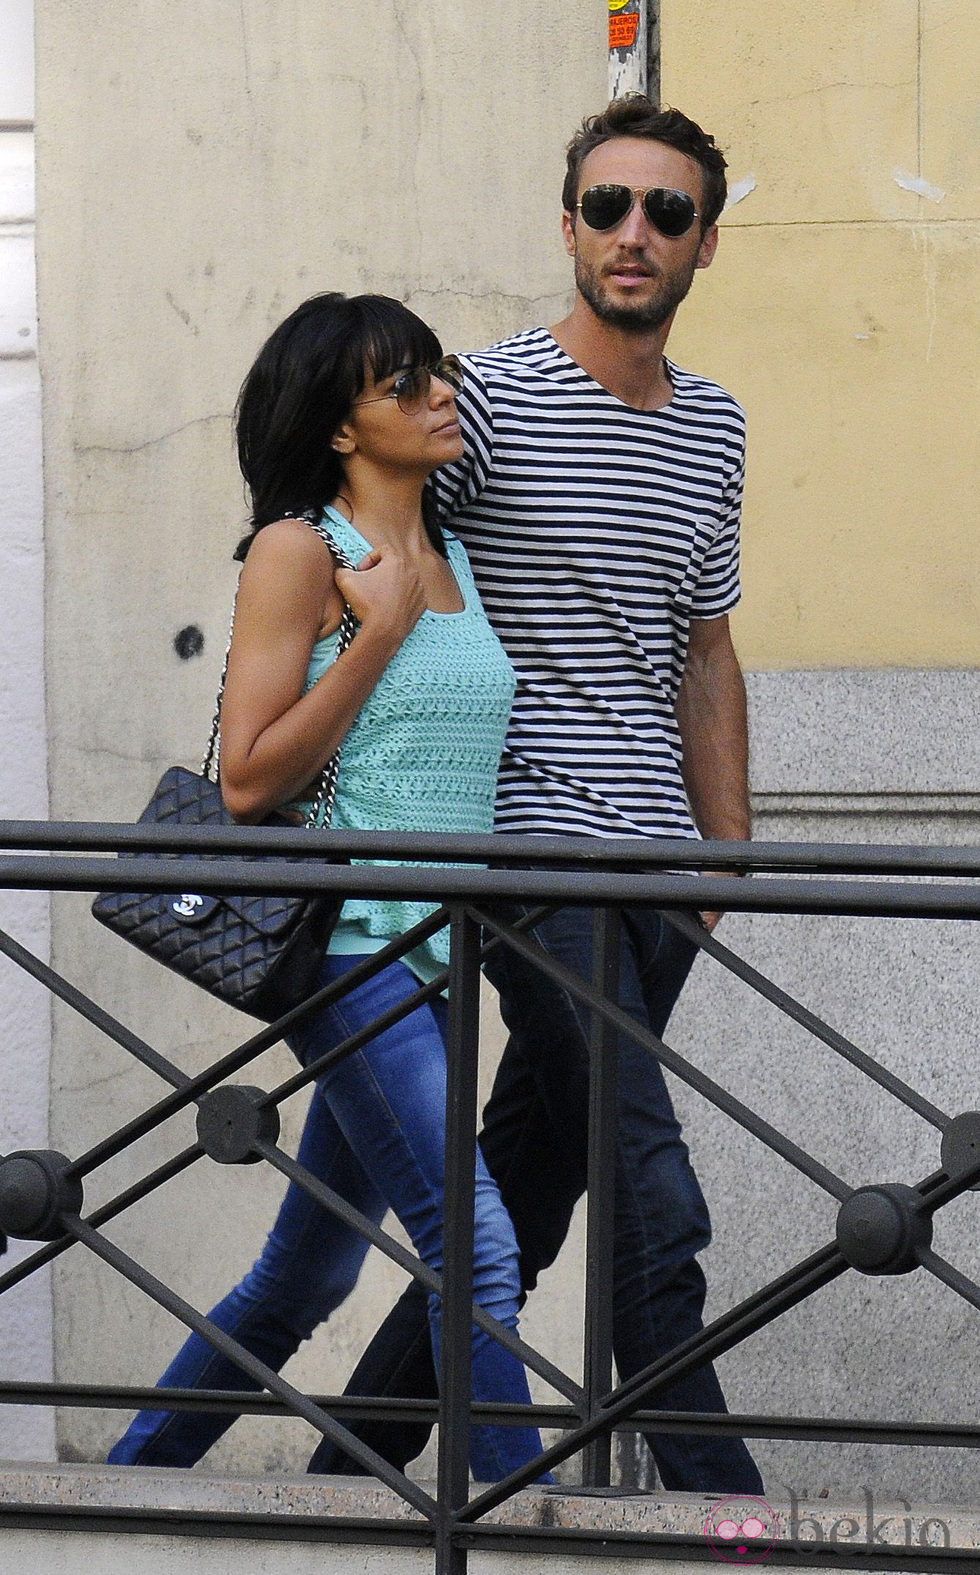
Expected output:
(343, 440)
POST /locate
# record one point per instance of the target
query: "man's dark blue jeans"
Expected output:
(534, 1141)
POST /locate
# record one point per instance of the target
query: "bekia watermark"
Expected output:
(743, 1529)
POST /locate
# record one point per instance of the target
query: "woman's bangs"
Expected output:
(397, 339)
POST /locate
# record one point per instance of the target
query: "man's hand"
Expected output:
(713, 724)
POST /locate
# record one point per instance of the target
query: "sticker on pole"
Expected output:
(622, 28)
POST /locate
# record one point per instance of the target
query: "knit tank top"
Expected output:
(423, 752)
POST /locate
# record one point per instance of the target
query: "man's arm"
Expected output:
(713, 724)
(456, 485)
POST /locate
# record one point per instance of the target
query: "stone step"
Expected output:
(57, 1519)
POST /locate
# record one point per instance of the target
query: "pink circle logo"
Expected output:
(741, 1530)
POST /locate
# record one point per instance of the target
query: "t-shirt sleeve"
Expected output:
(454, 486)
(718, 588)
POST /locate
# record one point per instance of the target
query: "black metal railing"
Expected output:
(881, 1229)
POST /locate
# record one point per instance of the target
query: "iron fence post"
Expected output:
(456, 1329)
(601, 1188)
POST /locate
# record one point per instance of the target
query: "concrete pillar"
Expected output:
(25, 1313)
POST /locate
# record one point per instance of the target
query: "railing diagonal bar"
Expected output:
(950, 1275)
(248, 1051)
(313, 1069)
(425, 992)
(941, 1188)
(100, 1216)
(258, 1043)
(414, 1266)
(91, 1011)
(807, 1019)
(298, 1403)
(732, 1327)
(678, 1064)
(714, 1340)
(323, 1195)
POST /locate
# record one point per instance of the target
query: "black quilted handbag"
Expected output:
(259, 953)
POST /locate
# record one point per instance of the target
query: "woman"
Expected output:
(347, 410)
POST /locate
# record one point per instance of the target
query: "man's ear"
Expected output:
(708, 247)
(568, 231)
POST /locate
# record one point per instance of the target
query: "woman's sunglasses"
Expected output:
(412, 387)
(671, 212)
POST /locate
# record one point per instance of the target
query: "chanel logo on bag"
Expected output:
(191, 909)
(187, 904)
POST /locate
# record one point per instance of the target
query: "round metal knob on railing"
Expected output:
(960, 1149)
(35, 1194)
(881, 1228)
(231, 1120)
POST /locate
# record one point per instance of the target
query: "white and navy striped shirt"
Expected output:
(596, 532)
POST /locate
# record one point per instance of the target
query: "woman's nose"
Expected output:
(440, 392)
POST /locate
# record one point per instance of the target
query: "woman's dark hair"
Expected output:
(301, 388)
(635, 115)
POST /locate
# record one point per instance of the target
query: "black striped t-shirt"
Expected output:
(596, 532)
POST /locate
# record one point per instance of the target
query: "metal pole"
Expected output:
(457, 1283)
(634, 48)
(600, 1245)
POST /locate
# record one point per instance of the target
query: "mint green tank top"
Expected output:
(423, 752)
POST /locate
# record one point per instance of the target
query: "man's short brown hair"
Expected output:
(635, 115)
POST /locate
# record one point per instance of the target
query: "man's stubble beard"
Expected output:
(640, 317)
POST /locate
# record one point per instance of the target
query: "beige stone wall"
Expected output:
(202, 170)
(842, 308)
(25, 1314)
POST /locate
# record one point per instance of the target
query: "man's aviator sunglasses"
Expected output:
(412, 387)
(671, 212)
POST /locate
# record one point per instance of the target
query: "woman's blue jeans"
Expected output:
(375, 1133)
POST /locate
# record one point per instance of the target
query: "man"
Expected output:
(599, 499)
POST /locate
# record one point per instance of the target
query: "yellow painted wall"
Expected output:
(844, 311)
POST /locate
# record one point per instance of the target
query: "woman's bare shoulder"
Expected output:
(288, 551)
(288, 538)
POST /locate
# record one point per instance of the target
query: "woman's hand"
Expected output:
(386, 594)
